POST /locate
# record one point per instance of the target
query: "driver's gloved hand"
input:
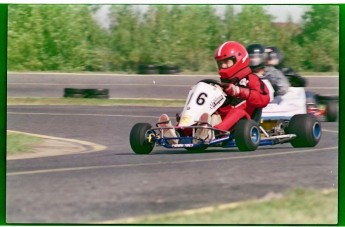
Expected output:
(237, 91)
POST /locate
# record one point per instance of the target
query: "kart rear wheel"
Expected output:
(247, 135)
(331, 111)
(138, 139)
(307, 130)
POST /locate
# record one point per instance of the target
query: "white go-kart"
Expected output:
(282, 121)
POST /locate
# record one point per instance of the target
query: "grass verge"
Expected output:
(298, 206)
(96, 102)
(19, 143)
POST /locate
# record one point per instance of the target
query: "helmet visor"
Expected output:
(256, 59)
(226, 63)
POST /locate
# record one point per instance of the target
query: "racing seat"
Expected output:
(256, 116)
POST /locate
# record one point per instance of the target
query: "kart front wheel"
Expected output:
(307, 130)
(247, 135)
(138, 139)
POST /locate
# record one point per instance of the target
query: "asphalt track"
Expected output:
(115, 183)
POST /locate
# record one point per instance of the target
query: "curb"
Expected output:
(56, 146)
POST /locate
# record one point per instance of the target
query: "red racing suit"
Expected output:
(236, 108)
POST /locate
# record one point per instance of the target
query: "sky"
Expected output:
(280, 12)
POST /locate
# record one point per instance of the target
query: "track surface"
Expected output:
(115, 183)
(129, 86)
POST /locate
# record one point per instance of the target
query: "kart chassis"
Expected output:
(222, 138)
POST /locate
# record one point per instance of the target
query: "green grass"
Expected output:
(96, 102)
(299, 206)
(19, 143)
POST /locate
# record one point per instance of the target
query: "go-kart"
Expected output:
(323, 107)
(300, 130)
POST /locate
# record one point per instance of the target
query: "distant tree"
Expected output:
(25, 39)
(125, 37)
(201, 32)
(161, 34)
(54, 37)
(253, 25)
(228, 22)
(182, 35)
(67, 37)
(286, 42)
(320, 38)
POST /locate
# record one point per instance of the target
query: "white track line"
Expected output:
(168, 163)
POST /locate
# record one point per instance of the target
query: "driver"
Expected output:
(276, 59)
(278, 80)
(262, 63)
(245, 91)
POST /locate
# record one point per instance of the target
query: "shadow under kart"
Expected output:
(300, 130)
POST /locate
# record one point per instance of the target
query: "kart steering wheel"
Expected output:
(211, 81)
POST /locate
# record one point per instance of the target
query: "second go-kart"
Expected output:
(323, 107)
(300, 130)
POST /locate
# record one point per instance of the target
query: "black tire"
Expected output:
(148, 69)
(247, 135)
(331, 111)
(138, 141)
(307, 129)
(97, 96)
(172, 71)
(168, 69)
(96, 91)
(74, 95)
(74, 91)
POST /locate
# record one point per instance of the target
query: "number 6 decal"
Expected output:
(201, 98)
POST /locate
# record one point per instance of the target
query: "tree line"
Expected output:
(69, 38)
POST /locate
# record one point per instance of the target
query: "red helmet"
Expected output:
(234, 51)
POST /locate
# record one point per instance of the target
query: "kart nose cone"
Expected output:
(186, 120)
